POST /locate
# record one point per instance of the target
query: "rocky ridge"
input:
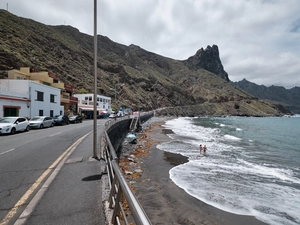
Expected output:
(278, 95)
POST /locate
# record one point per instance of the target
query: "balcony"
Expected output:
(58, 85)
(64, 98)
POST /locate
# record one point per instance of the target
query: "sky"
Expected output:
(258, 40)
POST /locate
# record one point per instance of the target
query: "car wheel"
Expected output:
(51, 125)
(41, 126)
(13, 130)
(27, 128)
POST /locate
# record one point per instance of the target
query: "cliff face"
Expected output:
(130, 75)
(289, 98)
(209, 60)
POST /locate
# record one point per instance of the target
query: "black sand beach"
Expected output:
(163, 201)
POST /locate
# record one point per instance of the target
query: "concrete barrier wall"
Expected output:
(117, 133)
(120, 129)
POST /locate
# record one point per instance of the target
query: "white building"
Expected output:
(28, 98)
(86, 104)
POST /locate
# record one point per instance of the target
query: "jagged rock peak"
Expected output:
(209, 60)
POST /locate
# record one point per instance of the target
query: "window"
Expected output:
(51, 113)
(20, 120)
(86, 98)
(52, 98)
(41, 112)
(40, 96)
(90, 98)
(97, 99)
(9, 111)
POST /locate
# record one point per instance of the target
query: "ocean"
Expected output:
(251, 167)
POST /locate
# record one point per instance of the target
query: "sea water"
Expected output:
(251, 167)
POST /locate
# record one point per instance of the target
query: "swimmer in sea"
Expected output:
(204, 149)
(201, 149)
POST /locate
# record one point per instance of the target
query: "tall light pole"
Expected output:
(95, 82)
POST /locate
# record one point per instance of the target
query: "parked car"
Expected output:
(61, 120)
(41, 122)
(113, 115)
(13, 124)
(75, 119)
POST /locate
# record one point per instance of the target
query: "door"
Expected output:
(47, 122)
(21, 124)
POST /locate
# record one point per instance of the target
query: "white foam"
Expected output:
(232, 138)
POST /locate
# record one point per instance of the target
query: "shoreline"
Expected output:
(163, 201)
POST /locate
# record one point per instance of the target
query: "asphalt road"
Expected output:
(26, 157)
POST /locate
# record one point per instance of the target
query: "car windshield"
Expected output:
(72, 117)
(7, 120)
(36, 118)
(57, 116)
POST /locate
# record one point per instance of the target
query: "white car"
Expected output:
(41, 122)
(112, 115)
(13, 124)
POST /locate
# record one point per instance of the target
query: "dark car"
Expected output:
(61, 120)
(75, 119)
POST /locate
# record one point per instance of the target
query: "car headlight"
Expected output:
(6, 128)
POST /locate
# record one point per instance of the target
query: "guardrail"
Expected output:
(118, 184)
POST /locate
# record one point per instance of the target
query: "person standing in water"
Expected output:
(201, 149)
(204, 149)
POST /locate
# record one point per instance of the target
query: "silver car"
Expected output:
(13, 125)
(41, 122)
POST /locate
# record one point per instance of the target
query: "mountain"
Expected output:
(130, 75)
(289, 98)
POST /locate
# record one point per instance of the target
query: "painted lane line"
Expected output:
(7, 151)
(55, 134)
(30, 207)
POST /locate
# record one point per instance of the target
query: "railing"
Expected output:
(119, 185)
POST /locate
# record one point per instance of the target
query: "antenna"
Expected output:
(6, 6)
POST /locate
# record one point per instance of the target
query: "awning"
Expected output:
(103, 111)
(87, 108)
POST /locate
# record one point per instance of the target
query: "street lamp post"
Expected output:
(95, 82)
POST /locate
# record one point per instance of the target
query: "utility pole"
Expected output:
(6, 6)
(95, 82)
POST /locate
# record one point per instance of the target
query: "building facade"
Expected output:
(86, 104)
(28, 98)
(67, 100)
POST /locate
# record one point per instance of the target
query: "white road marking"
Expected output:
(55, 134)
(7, 151)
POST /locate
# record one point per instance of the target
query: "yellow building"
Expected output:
(69, 102)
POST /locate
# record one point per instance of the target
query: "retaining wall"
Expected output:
(120, 129)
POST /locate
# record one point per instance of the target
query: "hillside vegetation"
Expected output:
(131, 76)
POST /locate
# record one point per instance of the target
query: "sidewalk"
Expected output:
(75, 195)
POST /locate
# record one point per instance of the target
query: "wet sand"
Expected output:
(163, 201)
